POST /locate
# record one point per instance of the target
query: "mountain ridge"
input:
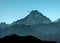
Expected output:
(34, 24)
(34, 17)
(23, 39)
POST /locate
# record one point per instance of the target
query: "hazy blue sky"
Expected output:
(12, 10)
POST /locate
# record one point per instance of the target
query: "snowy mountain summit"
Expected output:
(34, 17)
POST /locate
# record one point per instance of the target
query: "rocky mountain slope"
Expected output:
(35, 24)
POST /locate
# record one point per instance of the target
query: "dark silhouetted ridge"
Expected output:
(22, 39)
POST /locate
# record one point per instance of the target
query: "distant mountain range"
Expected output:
(35, 24)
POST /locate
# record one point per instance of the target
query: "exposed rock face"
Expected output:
(57, 21)
(3, 25)
(34, 17)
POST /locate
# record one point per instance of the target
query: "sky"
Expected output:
(12, 10)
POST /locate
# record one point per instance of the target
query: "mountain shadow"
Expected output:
(22, 39)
